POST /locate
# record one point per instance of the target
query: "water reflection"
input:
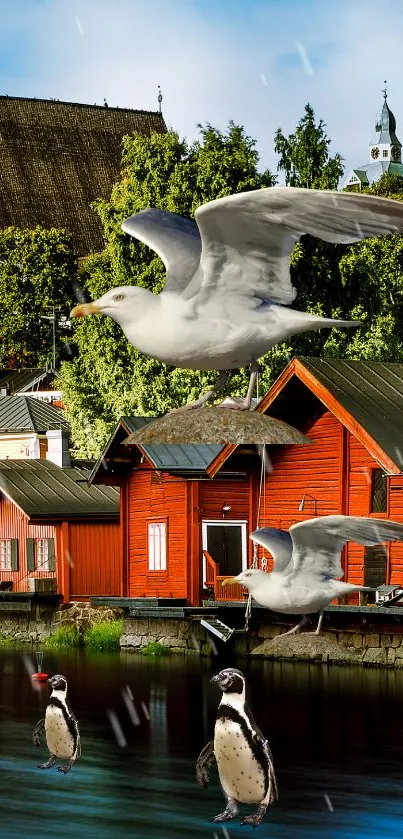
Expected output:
(336, 734)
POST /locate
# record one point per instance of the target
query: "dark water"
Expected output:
(336, 735)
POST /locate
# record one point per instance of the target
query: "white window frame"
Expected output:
(41, 555)
(227, 523)
(157, 546)
(5, 555)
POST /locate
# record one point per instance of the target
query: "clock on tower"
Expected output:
(375, 152)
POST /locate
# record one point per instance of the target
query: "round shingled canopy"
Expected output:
(216, 425)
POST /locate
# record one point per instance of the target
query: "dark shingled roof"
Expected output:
(25, 413)
(175, 458)
(42, 489)
(58, 157)
(17, 380)
(372, 392)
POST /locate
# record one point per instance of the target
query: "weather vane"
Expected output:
(159, 99)
(384, 91)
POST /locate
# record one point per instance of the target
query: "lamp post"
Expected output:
(52, 317)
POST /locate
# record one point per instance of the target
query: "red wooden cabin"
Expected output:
(187, 511)
(54, 526)
(353, 413)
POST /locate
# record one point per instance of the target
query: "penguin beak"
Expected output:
(84, 309)
(215, 680)
(229, 581)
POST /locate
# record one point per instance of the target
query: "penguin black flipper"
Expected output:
(38, 731)
(261, 741)
(203, 764)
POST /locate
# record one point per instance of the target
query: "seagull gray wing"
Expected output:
(175, 239)
(318, 542)
(277, 542)
(247, 238)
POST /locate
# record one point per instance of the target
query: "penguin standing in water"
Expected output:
(61, 728)
(244, 760)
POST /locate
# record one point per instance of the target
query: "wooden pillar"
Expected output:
(64, 560)
(194, 554)
(124, 542)
(344, 481)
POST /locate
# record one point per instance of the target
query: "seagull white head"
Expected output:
(252, 578)
(120, 303)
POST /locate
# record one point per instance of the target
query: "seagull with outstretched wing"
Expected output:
(228, 288)
(307, 569)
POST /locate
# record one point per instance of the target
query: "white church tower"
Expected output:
(385, 152)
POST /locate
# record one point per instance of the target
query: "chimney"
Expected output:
(58, 447)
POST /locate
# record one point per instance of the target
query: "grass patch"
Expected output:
(65, 636)
(5, 641)
(155, 648)
(104, 635)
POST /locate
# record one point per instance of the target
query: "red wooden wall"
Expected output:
(14, 524)
(336, 471)
(183, 505)
(151, 498)
(395, 512)
(88, 554)
(95, 559)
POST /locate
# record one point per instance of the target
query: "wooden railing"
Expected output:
(214, 582)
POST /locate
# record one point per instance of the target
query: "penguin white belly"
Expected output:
(59, 739)
(240, 774)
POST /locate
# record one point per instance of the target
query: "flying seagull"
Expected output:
(228, 286)
(307, 568)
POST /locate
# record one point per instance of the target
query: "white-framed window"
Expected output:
(5, 555)
(42, 554)
(157, 546)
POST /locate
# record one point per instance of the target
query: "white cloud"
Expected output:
(211, 65)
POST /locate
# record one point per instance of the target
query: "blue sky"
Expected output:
(257, 62)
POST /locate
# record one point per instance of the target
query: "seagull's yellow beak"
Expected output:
(229, 581)
(84, 309)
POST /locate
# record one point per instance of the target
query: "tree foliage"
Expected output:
(109, 378)
(36, 273)
(304, 155)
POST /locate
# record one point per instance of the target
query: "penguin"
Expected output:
(61, 728)
(244, 760)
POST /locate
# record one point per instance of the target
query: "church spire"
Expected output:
(385, 146)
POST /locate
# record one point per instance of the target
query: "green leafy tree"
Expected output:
(304, 155)
(109, 378)
(36, 273)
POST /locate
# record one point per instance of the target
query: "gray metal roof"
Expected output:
(25, 413)
(175, 458)
(372, 392)
(42, 489)
(18, 380)
(372, 172)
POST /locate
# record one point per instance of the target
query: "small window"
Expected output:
(157, 548)
(5, 555)
(385, 153)
(42, 555)
(378, 492)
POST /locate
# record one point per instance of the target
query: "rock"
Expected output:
(306, 647)
(375, 657)
(371, 640)
(391, 656)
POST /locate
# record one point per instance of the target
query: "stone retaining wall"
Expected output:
(373, 648)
